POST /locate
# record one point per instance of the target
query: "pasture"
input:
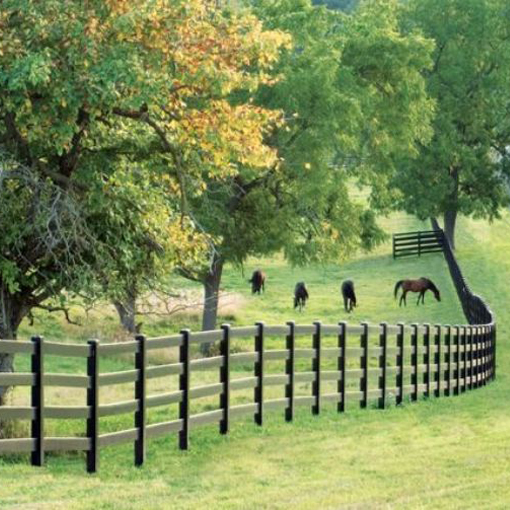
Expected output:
(449, 453)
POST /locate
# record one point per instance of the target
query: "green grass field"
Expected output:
(445, 453)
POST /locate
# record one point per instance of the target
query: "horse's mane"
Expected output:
(431, 284)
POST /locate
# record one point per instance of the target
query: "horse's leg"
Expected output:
(405, 297)
(401, 299)
(346, 305)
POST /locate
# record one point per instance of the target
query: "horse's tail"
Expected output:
(397, 286)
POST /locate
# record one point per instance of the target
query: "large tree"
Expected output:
(465, 167)
(351, 90)
(99, 102)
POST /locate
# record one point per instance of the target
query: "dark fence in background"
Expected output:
(417, 243)
(374, 363)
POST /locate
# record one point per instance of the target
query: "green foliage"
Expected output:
(111, 114)
(465, 166)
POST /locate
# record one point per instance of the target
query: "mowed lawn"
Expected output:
(445, 453)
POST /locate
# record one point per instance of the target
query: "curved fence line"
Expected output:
(311, 365)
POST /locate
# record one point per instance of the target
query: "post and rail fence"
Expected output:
(417, 243)
(373, 365)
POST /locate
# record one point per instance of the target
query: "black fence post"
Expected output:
(400, 364)
(471, 342)
(225, 379)
(493, 341)
(464, 358)
(383, 341)
(414, 361)
(289, 371)
(259, 374)
(184, 386)
(363, 382)
(476, 356)
(37, 401)
(93, 405)
(438, 366)
(316, 366)
(426, 359)
(448, 344)
(140, 397)
(457, 359)
(342, 383)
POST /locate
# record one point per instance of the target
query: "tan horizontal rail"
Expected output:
(245, 382)
(164, 370)
(127, 376)
(207, 363)
(164, 399)
(163, 429)
(17, 445)
(273, 380)
(304, 376)
(67, 412)
(304, 400)
(243, 331)
(244, 357)
(16, 413)
(242, 409)
(304, 329)
(276, 354)
(202, 337)
(164, 342)
(123, 436)
(276, 330)
(128, 406)
(66, 444)
(277, 403)
(16, 379)
(16, 347)
(207, 417)
(119, 348)
(305, 353)
(206, 390)
(68, 380)
(62, 349)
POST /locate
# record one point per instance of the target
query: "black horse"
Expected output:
(421, 285)
(300, 295)
(349, 295)
(257, 281)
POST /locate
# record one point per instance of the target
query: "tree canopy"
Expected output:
(111, 114)
(464, 169)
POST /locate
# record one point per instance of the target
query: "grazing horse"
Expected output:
(257, 281)
(300, 295)
(421, 286)
(348, 295)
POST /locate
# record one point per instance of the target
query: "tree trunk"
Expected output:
(10, 319)
(127, 311)
(450, 218)
(452, 207)
(211, 290)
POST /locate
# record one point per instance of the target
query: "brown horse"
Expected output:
(421, 286)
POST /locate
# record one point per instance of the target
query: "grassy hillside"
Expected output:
(446, 453)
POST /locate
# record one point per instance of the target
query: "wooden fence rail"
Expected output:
(417, 243)
(373, 365)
